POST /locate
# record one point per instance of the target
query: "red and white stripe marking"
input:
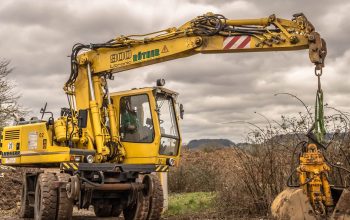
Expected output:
(237, 42)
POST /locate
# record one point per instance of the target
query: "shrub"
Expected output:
(247, 179)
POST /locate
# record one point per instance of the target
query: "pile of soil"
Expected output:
(10, 187)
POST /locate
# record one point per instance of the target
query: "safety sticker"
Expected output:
(165, 49)
(237, 42)
(32, 140)
(10, 146)
(69, 166)
(162, 168)
(10, 160)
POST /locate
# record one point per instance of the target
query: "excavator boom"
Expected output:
(209, 33)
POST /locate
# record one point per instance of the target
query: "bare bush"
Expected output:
(247, 179)
(271, 158)
(8, 97)
(197, 172)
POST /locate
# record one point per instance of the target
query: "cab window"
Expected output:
(169, 143)
(136, 124)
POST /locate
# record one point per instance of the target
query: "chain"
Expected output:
(318, 73)
(319, 129)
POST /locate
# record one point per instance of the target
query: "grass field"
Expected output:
(190, 203)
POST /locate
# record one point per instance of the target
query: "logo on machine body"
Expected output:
(124, 58)
(145, 55)
(121, 56)
(120, 59)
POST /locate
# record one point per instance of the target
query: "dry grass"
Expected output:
(198, 170)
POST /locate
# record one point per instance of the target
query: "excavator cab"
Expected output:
(148, 125)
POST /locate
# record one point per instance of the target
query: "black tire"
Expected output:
(103, 208)
(64, 205)
(45, 197)
(137, 210)
(156, 200)
(26, 211)
(116, 211)
(117, 208)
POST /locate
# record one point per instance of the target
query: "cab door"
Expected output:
(138, 126)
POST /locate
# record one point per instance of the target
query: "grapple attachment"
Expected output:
(314, 197)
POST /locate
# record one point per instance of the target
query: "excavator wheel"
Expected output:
(138, 210)
(26, 211)
(292, 204)
(65, 205)
(103, 208)
(45, 197)
(156, 199)
(117, 208)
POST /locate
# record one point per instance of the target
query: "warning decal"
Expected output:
(237, 42)
(165, 49)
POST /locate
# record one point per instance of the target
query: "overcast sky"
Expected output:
(37, 37)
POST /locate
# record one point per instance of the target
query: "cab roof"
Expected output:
(145, 89)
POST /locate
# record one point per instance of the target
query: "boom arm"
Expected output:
(210, 33)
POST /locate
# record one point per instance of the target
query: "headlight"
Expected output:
(89, 158)
(77, 159)
(170, 161)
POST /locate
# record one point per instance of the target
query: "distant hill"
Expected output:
(225, 143)
(209, 143)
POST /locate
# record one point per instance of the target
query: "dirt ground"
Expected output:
(89, 215)
(77, 215)
(10, 187)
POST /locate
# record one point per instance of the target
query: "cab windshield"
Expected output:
(169, 142)
(136, 123)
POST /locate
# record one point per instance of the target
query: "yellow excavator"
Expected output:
(105, 148)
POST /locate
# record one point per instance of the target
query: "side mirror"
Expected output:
(182, 111)
(82, 118)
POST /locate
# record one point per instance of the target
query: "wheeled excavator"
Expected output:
(106, 147)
